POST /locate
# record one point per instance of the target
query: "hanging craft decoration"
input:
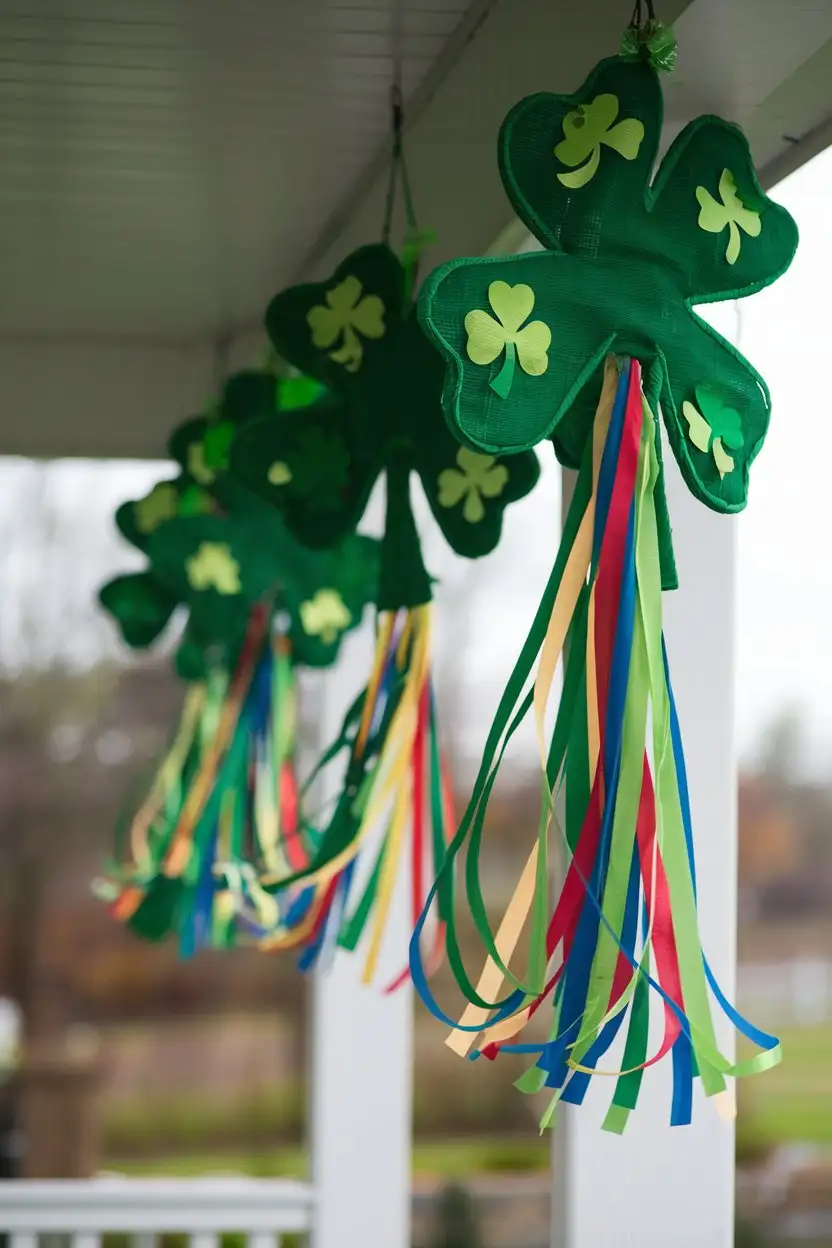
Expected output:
(224, 808)
(586, 342)
(139, 603)
(224, 805)
(357, 334)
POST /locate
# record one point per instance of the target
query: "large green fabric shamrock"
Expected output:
(383, 414)
(627, 259)
(221, 567)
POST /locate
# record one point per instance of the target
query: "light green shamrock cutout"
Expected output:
(477, 477)
(732, 212)
(487, 338)
(712, 426)
(280, 473)
(347, 315)
(198, 466)
(162, 503)
(325, 616)
(214, 567)
(585, 129)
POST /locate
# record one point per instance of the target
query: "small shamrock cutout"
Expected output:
(476, 477)
(325, 615)
(623, 267)
(319, 467)
(586, 129)
(347, 314)
(198, 466)
(487, 337)
(712, 427)
(213, 567)
(280, 473)
(322, 593)
(162, 503)
(731, 212)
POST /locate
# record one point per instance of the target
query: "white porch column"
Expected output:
(361, 1085)
(361, 1111)
(656, 1186)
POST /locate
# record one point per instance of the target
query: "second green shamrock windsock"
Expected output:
(358, 335)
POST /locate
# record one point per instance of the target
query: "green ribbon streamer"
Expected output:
(508, 718)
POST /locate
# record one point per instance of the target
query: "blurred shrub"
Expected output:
(468, 1098)
(455, 1223)
(749, 1235)
(191, 1123)
(196, 1123)
(515, 1156)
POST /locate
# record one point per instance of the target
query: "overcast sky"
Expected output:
(51, 567)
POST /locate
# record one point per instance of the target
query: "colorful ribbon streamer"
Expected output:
(395, 784)
(625, 921)
(223, 808)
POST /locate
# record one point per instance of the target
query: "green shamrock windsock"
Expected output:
(595, 342)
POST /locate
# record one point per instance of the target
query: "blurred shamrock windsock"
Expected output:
(358, 334)
(224, 805)
(587, 343)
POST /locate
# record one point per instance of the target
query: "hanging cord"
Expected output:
(398, 168)
(415, 240)
(648, 39)
(643, 12)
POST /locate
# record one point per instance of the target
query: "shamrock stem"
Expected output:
(732, 252)
(502, 382)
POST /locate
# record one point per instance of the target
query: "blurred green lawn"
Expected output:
(447, 1159)
(790, 1104)
(793, 1102)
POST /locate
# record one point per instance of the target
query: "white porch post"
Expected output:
(361, 1089)
(361, 1111)
(655, 1186)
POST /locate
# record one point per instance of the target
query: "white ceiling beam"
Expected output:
(98, 399)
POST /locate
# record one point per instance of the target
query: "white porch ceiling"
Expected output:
(166, 165)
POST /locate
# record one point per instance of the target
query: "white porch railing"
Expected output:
(262, 1210)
